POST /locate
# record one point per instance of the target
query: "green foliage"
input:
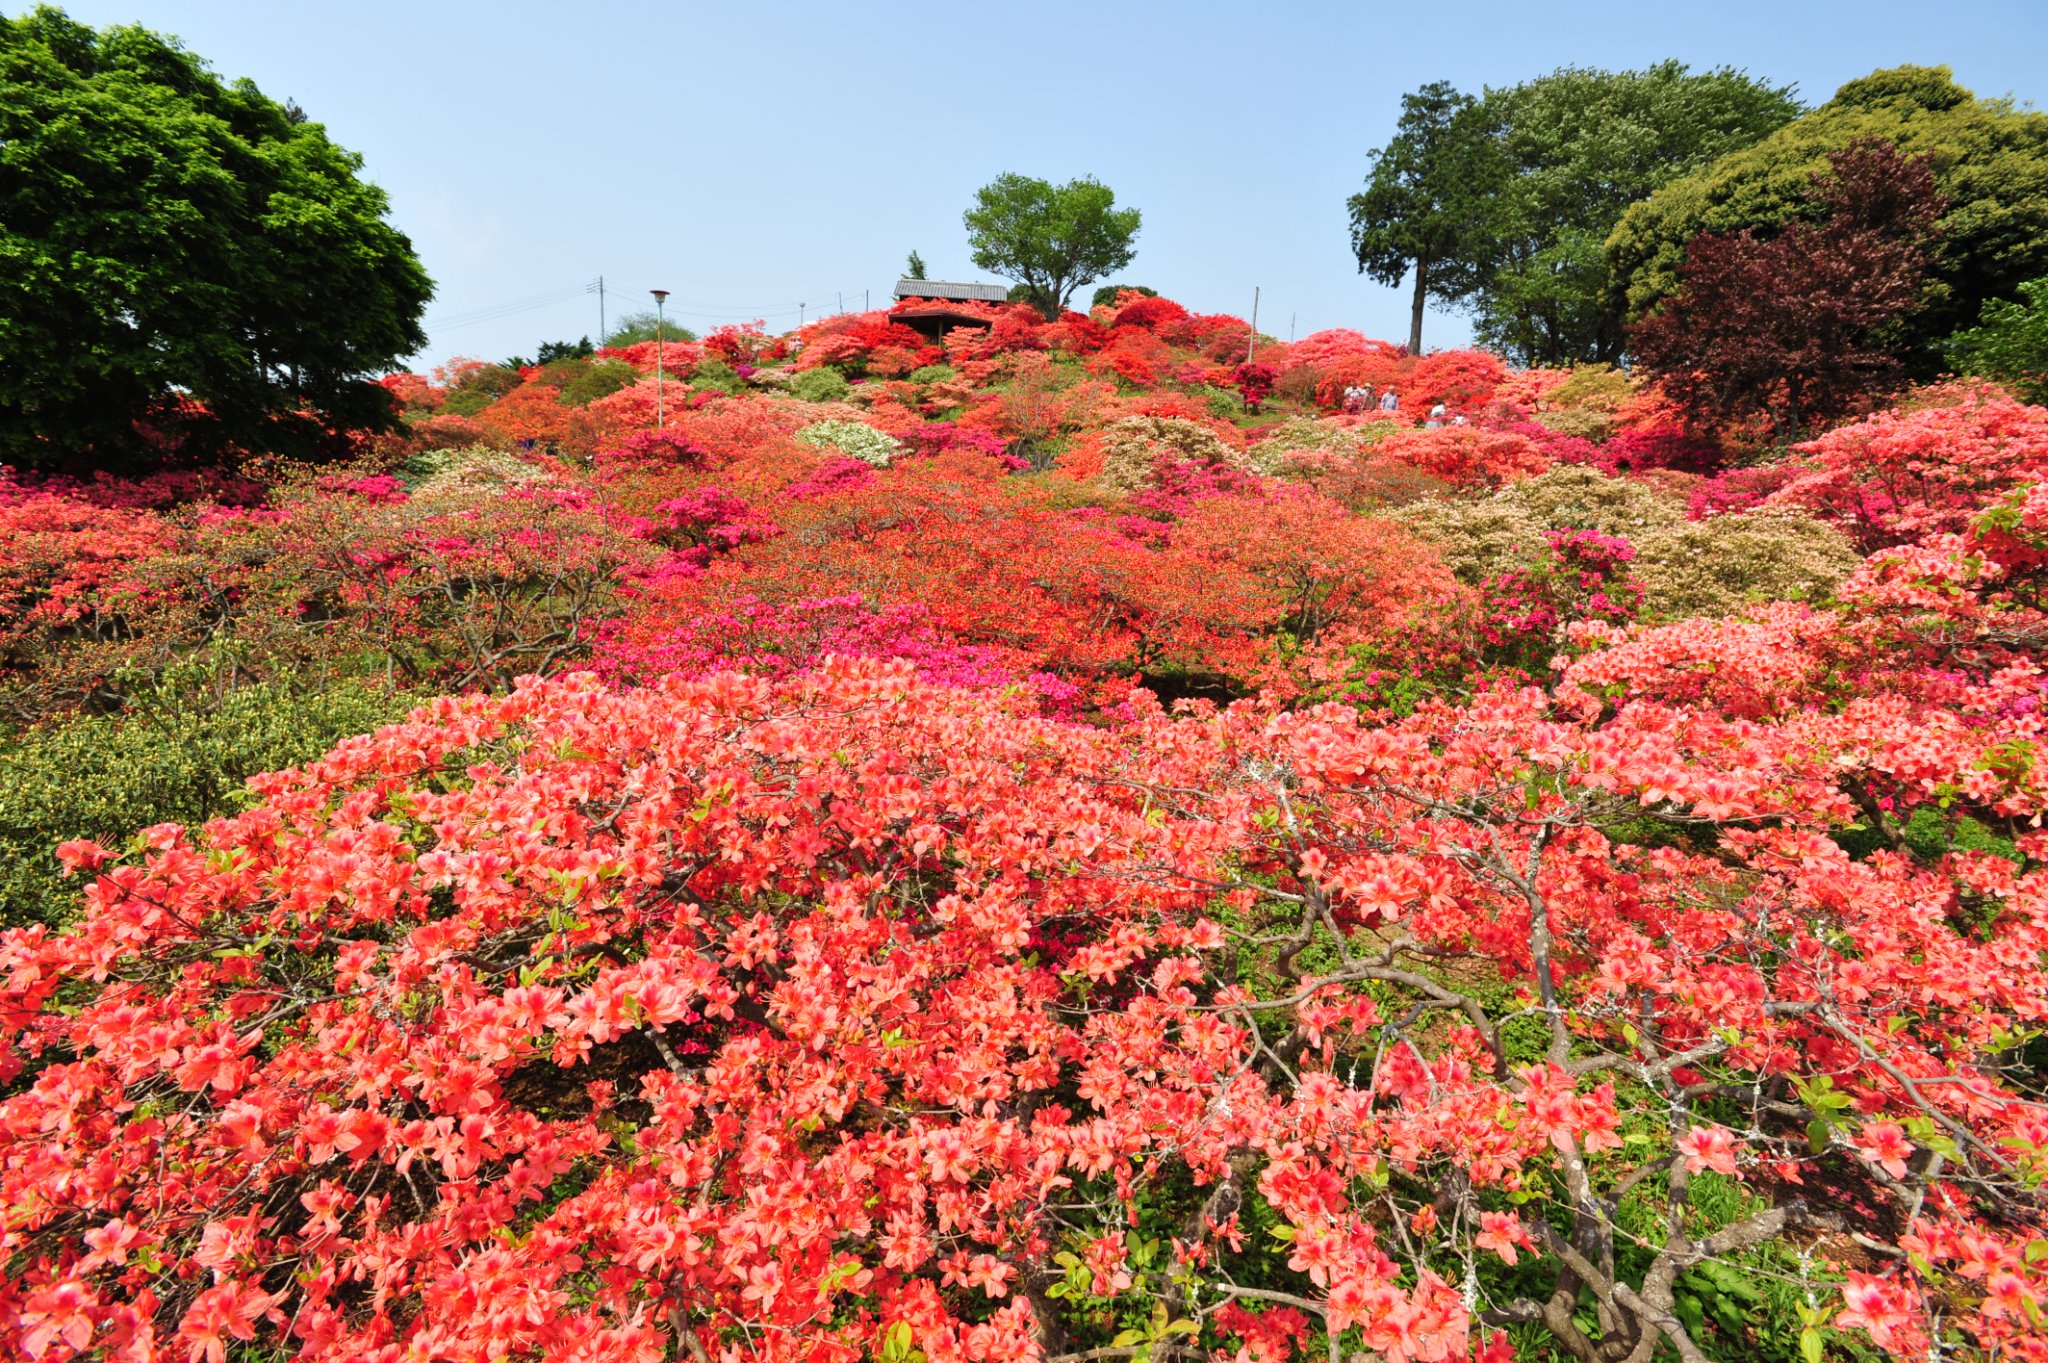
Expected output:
(715, 375)
(2009, 343)
(480, 388)
(552, 352)
(1929, 833)
(933, 373)
(162, 761)
(163, 233)
(1578, 147)
(913, 268)
(1051, 239)
(636, 327)
(1106, 295)
(1990, 163)
(1427, 201)
(1222, 403)
(597, 379)
(823, 384)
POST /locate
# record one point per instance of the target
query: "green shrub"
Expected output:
(715, 375)
(599, 379)
(934, 373)
(480, 388)
(823, 384)
(164, 761)
(1222, 403)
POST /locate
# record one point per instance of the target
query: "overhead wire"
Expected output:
(692, 308)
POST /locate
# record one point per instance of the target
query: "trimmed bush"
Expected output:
(823, 384)
(105, 777)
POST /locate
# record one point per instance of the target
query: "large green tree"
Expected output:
(1990, 163)
(1577, 147)
(2009, 343)
(1051, 239)
(184, 263)
(1427, 202)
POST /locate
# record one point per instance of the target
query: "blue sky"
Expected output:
(751, 157)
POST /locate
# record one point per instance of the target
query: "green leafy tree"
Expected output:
(2009, 343)
(1990, 164)
(636, 327)
(1579, 147)
(551, 351)
(1427, 201)
(1106, 295)
(913, 268)
(1051, 239)
(184, 256)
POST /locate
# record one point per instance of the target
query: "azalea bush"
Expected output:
(1039, 867)
(1154, 1029)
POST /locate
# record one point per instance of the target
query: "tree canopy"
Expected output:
(184, 262)
(2009, 343)
(1990, 163)
(1426, 202)
(1578, 146)
(1051, 239)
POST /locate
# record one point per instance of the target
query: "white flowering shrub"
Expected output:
(852, 439)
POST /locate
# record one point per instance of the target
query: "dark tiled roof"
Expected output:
(955, 293)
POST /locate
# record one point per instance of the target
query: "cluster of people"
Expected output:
(1359, 398)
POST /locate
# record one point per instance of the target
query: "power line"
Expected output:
(445, 321)
(604, 287)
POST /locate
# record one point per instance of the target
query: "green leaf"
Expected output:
(1811, 1346)
(1817, 1134)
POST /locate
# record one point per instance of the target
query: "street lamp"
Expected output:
(660, 343)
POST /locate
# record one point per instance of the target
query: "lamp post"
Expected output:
(660, 344)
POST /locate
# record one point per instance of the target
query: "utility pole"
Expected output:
(1252, 341)
(1290, 326)
(864, 299)
(660, 344)
(600, 310)
(799, 317)
(842, 303)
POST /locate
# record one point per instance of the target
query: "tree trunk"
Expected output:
(1415, 314)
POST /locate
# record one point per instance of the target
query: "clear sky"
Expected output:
(750, 157)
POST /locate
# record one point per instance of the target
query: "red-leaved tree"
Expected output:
(1801, 325)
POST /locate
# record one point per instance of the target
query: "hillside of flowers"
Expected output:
(1096, 839)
